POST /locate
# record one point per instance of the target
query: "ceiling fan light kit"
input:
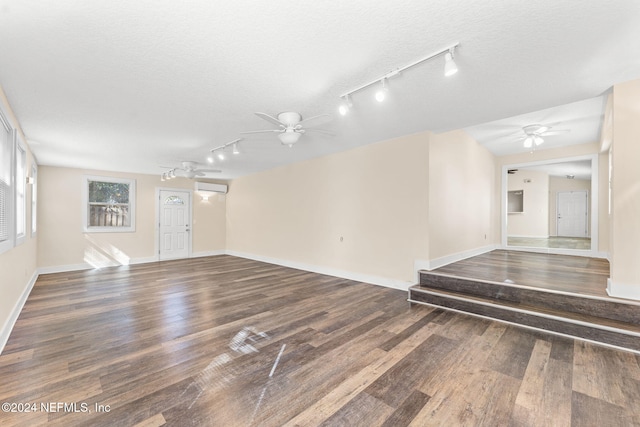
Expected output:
(450, 68)
(290, 126)
(534, 133)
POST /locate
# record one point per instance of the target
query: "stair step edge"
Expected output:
(529, 312)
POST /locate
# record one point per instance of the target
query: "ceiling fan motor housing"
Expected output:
(290, 118)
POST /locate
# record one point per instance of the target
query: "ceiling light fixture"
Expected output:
(289, 137)
(450, 69)
(382, 93)
(345, 105)
(220, 150)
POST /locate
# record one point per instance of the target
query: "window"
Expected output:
(173, 200)
(21, 193)
(6, 187)
(109, 204)
(34, 199)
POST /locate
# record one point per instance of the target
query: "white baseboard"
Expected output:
(349, 275)
(618, 290)
(208, 253)
(449, 259)
(17, 308)
(87, 266)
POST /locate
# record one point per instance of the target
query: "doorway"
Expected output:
(541, 182)
(174, 230)
(572, 213)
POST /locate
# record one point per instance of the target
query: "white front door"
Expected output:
(572, 214)
(175, 224)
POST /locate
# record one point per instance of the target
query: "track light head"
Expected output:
(345, 105)
(450, 67)
(236, 150)
(382, 93)
(210, 159)
(221, 155)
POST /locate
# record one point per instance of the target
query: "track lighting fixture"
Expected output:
(210, 159)
(382, 93)
(345, 105)
(220, 150)
(450, 68)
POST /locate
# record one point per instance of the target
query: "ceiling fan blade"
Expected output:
(322, 131)
(313, 118)
(270, 119)
(263, 131)
(555, 132)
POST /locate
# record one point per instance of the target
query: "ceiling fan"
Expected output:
(533, 134)
(290, 126)
(189, 170)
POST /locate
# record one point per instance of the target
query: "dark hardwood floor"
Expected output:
(579, 275)
(225, 341)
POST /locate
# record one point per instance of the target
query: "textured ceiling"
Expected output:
(131, 85)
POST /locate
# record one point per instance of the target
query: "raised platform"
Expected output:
(533, 295)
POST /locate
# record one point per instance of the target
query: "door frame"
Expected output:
(156, 249)
(587, 198)
(594, 196)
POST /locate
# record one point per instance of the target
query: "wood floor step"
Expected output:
(543, 299)
(584, 326)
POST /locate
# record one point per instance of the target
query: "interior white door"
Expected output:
(175, 229)
(572, 213)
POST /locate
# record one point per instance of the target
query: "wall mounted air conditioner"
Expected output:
(211, 188)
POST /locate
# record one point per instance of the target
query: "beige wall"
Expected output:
(461, 195)
(534, 220)
(17, 265)
(363, 211)
(625, 219)
(395, 204)
(63, 244)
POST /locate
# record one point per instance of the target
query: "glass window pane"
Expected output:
(173, 200)
(108, 192)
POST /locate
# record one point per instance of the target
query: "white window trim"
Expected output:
(34, 199)
(85, 205)
(10, 242)
(20, 180)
